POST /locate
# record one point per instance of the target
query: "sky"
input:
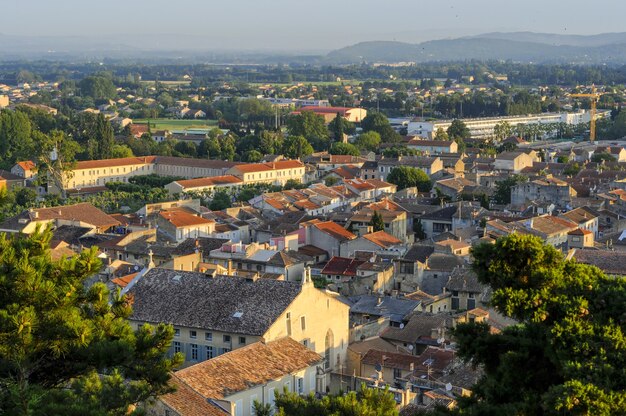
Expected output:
(290, 25)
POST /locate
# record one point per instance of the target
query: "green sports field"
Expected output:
(175, 124)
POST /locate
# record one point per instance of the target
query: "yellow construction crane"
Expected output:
(594, 96)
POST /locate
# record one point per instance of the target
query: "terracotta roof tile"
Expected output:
(211, 181)
(382, 239)
(187, 402)
(247, 367)
(335, 230)
(184, 219)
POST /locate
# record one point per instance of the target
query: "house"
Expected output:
(353, 115)
(369, 308)
(328, 235)
(212, 316)
(395, 219)
(430, 165)
(514, 161)
(204, 185)
(181, 225)
(358, 277)
(379, 242)
(82, 214)
(235, 380)
(553, 230)
(453, 188)
(26, 169)
(97, 173)
(392, 366)
(276, 173)
(185, 401)
(465, 288)
(585, 217)
(420, 331)
(11, 180)
(433, 147)
(191, 113)
(580, 238)
(544, 189)
(438, 222)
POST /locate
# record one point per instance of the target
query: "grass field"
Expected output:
(175, 124)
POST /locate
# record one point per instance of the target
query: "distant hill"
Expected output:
(521, 46)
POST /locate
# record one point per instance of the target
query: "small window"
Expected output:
(242, 340)
(224, 350)
(176, 331)
(177, 346)
(210, 352)
(397, 373)
(208, 336)
(193, 334)
(300, 384)
(226, 338)
(303, 323)
(455, 293)
(194, 352)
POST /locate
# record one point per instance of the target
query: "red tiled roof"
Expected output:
(211, 181)
(109, 163)
(262, 167)
(84, 212)
(27, 165)
(344, 266)
(327, 110)
(124, 280)
(335, 230)
(580, 231)
(382, 239)
(184, 219)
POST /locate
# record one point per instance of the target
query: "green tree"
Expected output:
(418, 229)
(340, 148)
(16, 137)
(262, 409)
(104, 138)
(220, 201)
(441, 134)
(502, 130)
(365, 402)
(66, 349)
(368, 141)
(336, 128)
(502, 195)
(602, 157)
(121, 150)
(377, 222)
(458, 130)
(407, 177)
(97, 87)
(566, 354)
(310, 126)
(252, 156)
(296, 147)
(379, 123)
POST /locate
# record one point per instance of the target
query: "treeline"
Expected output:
(205, 74)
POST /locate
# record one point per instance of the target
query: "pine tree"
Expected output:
(377, 222)
(104, 138)
(66, 349)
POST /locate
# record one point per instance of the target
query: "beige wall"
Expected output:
(279, 176)
(241, 403)
(323, 313)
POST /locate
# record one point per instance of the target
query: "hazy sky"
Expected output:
(306, 25)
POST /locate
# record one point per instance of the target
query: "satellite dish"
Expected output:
(135, 268)
(378, 368)
(441, 340)
(448, 387)
(401, 326)
(411, 347)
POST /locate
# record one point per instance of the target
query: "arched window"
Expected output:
(328, 348)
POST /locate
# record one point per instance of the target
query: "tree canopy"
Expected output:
(407, 177)
(365, 402)
(502, 195)
(66, 349)
(567, 355)
(340, 148)
(310, 126)
(379, 123)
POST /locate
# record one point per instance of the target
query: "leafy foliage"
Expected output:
(502, 195)
(365, 402)
(66, 349)
(340, 148)
(566, 355)
(377, 222)
(407, 177)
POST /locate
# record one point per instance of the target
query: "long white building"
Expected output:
(484, 127)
